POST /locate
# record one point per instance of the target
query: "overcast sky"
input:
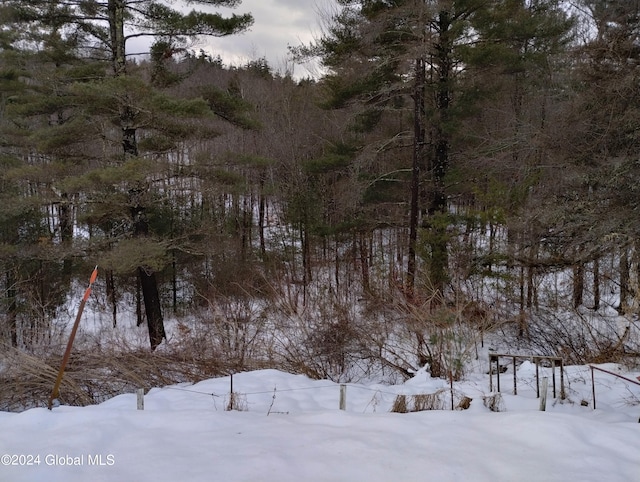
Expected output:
(278, 23)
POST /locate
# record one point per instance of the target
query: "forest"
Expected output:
(462, 171)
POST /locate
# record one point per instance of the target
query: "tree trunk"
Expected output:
(530, 284)
(139, 314)
(306, 260)
(147, 278)
(596, 284)
(261, 217)
(146, 275)
(418, 160)
(111, 295)
(364, 263)
(117, 9)
(438, 206)
(578, 284)
(174, 283)
(247, 208)
(624, 281)
(152, 307)
(12, 307)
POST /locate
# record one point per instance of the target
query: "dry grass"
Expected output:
(93, 376)
(237, 401)
(494, 402)
(440, 400)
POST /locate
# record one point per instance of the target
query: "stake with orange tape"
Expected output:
(67, 353)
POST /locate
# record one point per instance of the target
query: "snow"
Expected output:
(290, 428)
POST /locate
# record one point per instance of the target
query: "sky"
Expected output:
(277, 24)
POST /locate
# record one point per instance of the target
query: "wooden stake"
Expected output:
(543, 397)
(67, 352)
(343, 397)
(490, 373)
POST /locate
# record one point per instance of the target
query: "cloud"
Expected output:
(278, 24)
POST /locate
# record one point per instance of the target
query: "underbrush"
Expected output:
(328, 337)
(577, 336)
(92, 376)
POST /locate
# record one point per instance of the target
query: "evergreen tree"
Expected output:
(600, 216)
(100, 31)
(417, 60)
(35, 64)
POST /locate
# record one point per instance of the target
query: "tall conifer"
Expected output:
(385, 56)
(101, 31)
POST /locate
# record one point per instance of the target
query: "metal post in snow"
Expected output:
(562, 394)
(593, 383)
(67, 352)
(593, 388)
(451, 387)
(231, 395)
(515, 379)
(537, 361)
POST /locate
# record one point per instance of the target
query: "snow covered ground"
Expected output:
(291, 429)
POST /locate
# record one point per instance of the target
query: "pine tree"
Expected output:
(604, 139)
(35, 65)
(101, 30)
(419, 60)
